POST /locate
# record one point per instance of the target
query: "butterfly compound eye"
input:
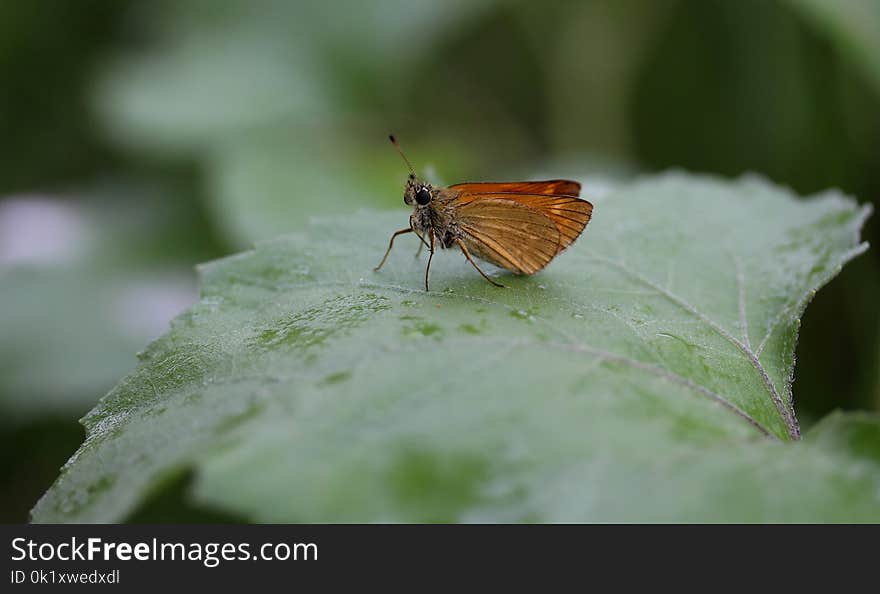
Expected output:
(423, 196)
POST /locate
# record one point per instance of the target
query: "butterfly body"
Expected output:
(518, 226)
(435, 218)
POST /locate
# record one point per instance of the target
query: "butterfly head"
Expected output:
(417, 192)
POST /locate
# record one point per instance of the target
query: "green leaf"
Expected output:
(644, 375)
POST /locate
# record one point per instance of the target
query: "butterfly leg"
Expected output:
(422, 244)
(430, 257)
(390, 245)
(467, 255)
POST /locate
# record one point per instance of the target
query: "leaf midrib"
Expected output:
(786, 412)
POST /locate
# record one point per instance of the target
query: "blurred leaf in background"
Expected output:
(85, 285)
(852, 25)
(285, 105)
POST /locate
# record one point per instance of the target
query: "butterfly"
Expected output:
(518, 226)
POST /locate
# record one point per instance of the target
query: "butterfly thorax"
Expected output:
(435, 220)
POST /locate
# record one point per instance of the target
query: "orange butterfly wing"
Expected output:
(507, 233)
(552, 187)
(556, 199)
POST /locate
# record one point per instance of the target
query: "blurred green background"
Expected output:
(140, 138)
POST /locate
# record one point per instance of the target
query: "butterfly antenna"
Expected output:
(397, 146)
